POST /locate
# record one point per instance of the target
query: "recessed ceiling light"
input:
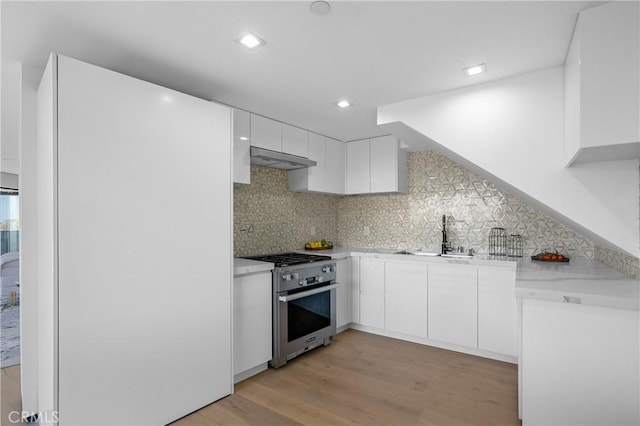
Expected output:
(474, 70)
(343, 103)
(320, 7)
(252, 41)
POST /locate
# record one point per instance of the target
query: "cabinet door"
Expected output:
(372, 292)
(372, 276)
(241, 145)
(355, 289)
(335, 164)
(372, 310)
(405, 302)
(295, 140)
(384, 164)
(358, 167)
(252, 321)
(453, 304)
(317, 173)
(343, 294)
(579, 364)
(497, 310)
(266, 133)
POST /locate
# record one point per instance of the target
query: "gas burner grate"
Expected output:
(288, 259)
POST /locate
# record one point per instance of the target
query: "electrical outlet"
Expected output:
(366, 230)
(313, 230)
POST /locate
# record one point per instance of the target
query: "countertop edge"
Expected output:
(389, 254)
(247, 266)
(578, 298)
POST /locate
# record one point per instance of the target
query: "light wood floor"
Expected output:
(10, 392)
(361, 379)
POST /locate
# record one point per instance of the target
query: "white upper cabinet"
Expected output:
(328, 175)
(358, 167)
(334, 166)
(241, 146)
(376, 165)
(266, 133)
(295, 141)
(388, 165)
(602, 87)
(316, 175)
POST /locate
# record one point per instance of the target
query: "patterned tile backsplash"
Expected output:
(439, 186)
(622, 262)
(269, 218)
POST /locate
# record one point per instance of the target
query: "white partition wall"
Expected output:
(141, 240)
(46, 307)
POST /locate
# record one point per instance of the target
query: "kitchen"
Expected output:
(476, 190)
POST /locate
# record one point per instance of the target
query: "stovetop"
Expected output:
(288, 259)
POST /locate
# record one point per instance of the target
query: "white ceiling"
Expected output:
(372, 53)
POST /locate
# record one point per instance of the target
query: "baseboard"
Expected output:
(436, 344)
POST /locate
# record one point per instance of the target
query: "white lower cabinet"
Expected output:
(372, 276)
(372, 310)
(343, 293)
(355, 289)
(497, 310)
(453, 304)
(405, 301)
(579, 364)
(372, 292)
(251, 324)
(463, 307)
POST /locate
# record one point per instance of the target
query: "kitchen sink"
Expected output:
(418, 253)
(458, 255)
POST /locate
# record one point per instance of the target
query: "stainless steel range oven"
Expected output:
(304, 303)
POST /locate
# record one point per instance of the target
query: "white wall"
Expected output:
(28, 240)
(512, 129)
(9, 117)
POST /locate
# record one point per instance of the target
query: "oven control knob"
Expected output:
(327, 268)
(288, 276)
(302, 282)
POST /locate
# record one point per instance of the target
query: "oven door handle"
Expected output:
(296, 296)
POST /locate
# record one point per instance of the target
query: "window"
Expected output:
(9, 221)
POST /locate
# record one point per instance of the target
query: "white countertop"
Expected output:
(389, 254)
(591, 282)
(247, 266)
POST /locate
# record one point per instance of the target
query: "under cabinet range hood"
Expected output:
(279, 160)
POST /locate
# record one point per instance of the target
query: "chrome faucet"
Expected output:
(445, 244)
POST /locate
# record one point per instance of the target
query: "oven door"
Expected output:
(305, 320)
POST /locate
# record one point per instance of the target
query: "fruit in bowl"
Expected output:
(318, 245)
(547, 256)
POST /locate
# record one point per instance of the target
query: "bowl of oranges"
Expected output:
(548, 256)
